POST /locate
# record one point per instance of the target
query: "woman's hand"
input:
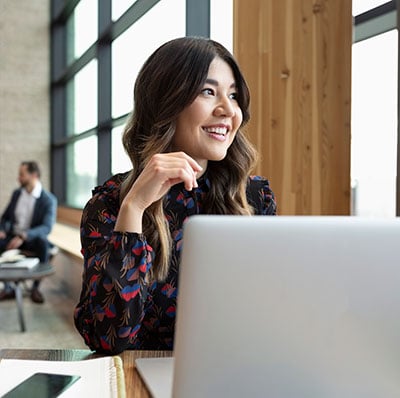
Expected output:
(162, 172)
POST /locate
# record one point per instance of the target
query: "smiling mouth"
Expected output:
(222, 131)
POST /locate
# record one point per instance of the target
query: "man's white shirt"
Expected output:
(24, 208)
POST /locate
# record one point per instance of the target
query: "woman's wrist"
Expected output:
(129, 218)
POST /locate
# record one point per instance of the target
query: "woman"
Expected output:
(189, 156)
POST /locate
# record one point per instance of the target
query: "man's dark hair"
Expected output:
(32, 167)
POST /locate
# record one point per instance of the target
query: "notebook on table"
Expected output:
(301, 306)
(15, 259)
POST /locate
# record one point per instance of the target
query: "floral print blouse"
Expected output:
(117, 310)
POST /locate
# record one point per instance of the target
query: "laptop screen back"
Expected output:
(288, 307)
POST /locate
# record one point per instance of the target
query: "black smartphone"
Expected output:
(43, 385)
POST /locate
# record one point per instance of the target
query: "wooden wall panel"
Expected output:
(296, 56)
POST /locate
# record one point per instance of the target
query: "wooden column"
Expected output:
(296, 56)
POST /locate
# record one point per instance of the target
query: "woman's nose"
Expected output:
(225, 108)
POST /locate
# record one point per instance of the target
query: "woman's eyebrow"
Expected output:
(215, 83)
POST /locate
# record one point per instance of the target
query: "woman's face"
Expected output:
(207, 127)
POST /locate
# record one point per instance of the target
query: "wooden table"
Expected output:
(135, 387)
(18, 275)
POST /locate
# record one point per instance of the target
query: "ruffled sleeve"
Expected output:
(111, 305)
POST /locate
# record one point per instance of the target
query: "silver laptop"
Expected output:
(301, 306)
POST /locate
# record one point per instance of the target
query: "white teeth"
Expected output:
(216, 130)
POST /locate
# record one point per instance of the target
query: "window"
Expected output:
(374, 125)
(221, 22)
(82, 100)
(81, 28)
(81, 170)
(119, 7)
(129, 51)
(361, 6)
(374, 151)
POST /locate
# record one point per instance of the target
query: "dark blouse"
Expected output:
(117, 310)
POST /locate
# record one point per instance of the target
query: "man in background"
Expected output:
(27, 222)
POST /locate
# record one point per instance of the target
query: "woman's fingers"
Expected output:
(175, 169)
(160, 174)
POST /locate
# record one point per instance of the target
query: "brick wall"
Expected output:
(24, 90)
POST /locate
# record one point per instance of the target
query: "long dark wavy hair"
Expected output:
(169, 81)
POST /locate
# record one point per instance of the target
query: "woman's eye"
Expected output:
(208, 91)
(211, 92)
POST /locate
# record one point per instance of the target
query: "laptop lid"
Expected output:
(288, 307)
(285, 307)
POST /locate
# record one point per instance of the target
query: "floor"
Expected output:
(48, 325)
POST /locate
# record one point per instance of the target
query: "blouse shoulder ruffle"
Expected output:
(260, 196)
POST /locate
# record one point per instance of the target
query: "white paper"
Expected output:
(94, 381)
